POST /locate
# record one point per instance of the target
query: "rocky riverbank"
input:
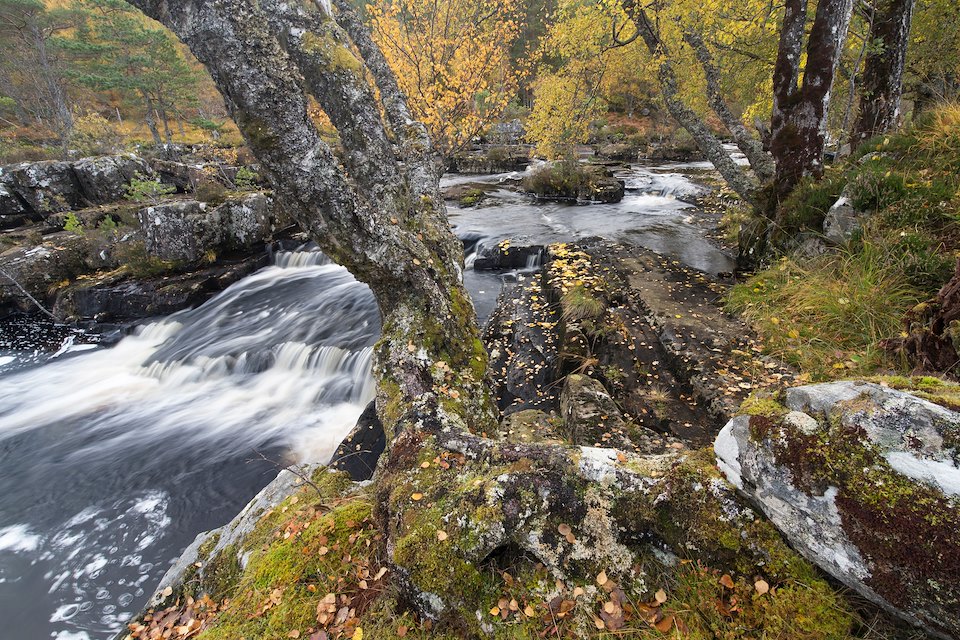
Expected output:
(121, 238)
(627, 358)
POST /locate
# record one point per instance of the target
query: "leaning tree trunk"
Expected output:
(883, 73)
(760, 161)
(706, 141)
(150, 118)
(800, 114)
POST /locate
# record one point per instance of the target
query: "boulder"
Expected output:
(181, 231)
(864, 481)
(590, 415)
(45, 187)
(506, 256)
(360, 450)
(185, 231)
(104, 179)
(13, 211)
(842, 220)
(583, 183)
(39, 270)
(185, 177)
(618, 151)
(498, 159)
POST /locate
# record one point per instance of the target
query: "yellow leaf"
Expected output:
(602, 578)
(357, 634)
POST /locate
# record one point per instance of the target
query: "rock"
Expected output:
(864, 481)
(583, 183)
(360, 450)
(506, 133)
(521, 339)
(528, 425)
(498, 159)
(185, 231)
(40, 269)
(247, 220)
(45, 187)
(185, 177)
(618, 151)
(120, 298)
(590, 415)
(674, 153)
(842, 220)
(180, 231)
(13, 210)
(506, 256)
(104, 179)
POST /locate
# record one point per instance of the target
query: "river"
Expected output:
(112, 458)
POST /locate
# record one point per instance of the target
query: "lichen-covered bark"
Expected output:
(883, 72)
(800, 114)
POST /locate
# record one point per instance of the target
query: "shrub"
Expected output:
(93, 134)
(145, 189)
(72, 223)
(246, 178)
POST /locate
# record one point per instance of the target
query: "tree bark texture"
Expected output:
(883, 72)
(800, 113)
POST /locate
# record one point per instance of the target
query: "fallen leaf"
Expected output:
(602, 578)
(495, 611)
(664, 625)
(294, 634)
(357, 634)
(528, 611)
(564, 529)
(441, 535)
(416, 496)
(166, 593)
(598, 623)
(761, 586)
(402, 631)
(727, 581)
(660, 596)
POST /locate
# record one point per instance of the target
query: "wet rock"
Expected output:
(864, 481)
(104, 179)
(521, 338)
(360, 450)
(842, 220)
(590, 415)
(618, 151)
(45, 187)
(117, 297)
(528, 425)
(506, 256)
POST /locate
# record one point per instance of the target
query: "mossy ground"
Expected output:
(314, 544)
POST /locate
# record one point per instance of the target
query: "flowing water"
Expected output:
(113, 459)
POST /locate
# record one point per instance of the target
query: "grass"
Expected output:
(829, 315)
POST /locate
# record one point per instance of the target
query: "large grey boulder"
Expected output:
(864, 481)
(104, 179)
(45, 187)
(186, 230)
(842, 220)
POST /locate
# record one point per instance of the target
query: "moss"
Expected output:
(334, 54)
(882, 511)
(763, 404)
(222, 573)
(936, 390)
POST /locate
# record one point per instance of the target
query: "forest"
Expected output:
(480, 319)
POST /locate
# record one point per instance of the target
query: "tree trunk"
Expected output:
(376, 209)
(760, 161)
(148, 116)
(706, 141)
(883, 73)
(800, 115)
(167, 134)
